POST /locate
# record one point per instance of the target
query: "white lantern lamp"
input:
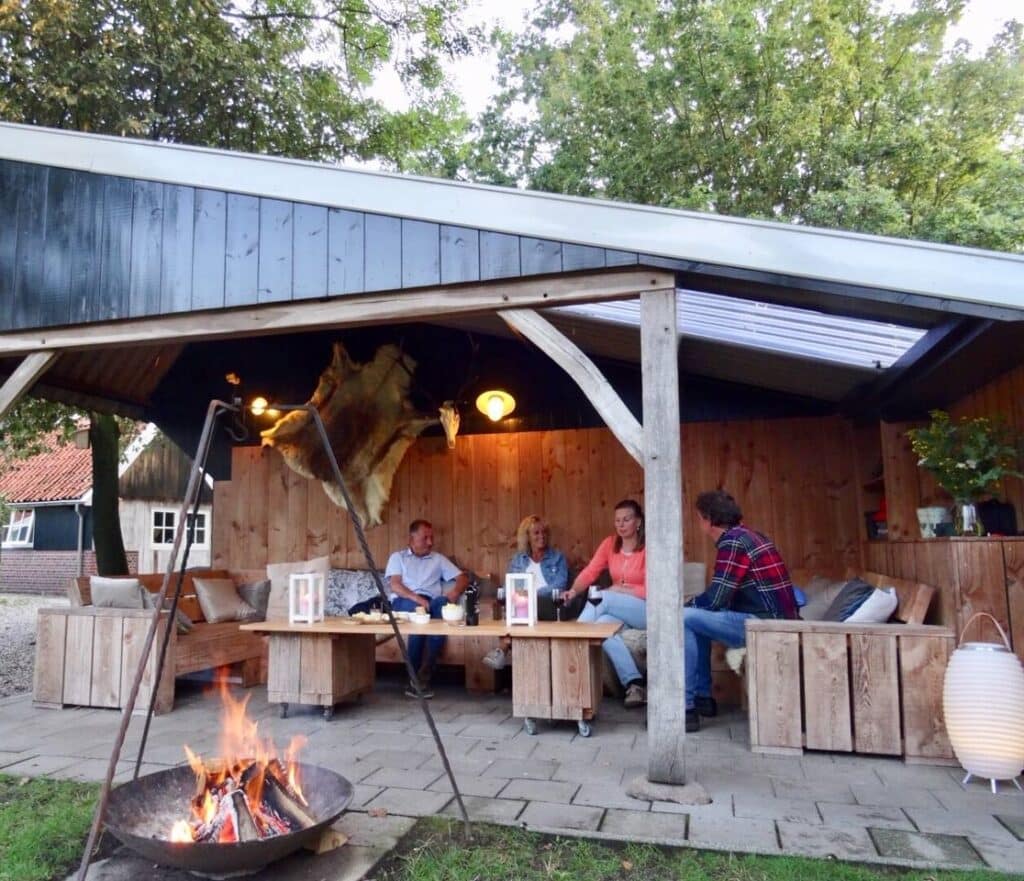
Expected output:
(306, 597)
(520, 599)
(983, 701)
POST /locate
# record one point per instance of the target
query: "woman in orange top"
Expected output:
(625, 558)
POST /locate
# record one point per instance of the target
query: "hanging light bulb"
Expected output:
(495, 404)
(258, 406)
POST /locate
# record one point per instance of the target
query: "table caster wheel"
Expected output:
(530, 726)
(328, 713)
(583, 726)
(284, 711)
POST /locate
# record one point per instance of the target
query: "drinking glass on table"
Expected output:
(594, 595)
(558, 598)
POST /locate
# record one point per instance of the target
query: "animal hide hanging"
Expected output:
(370, 423)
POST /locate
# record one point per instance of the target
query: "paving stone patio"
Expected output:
(823, 805)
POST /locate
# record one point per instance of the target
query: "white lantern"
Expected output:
(983, 701)
(306, 598)
(520, 599)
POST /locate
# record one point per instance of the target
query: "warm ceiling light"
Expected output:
(495, 404)
(258, 406)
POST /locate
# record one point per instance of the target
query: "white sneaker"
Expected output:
(497, 659)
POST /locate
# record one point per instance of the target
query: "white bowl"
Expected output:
(419, 619)
(453, 614)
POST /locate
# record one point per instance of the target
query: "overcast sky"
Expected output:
(474, 77)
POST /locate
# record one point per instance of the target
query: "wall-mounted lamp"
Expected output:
(495, 404)
(258, 406)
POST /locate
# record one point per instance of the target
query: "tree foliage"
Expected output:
(827, 112)
(283, 77)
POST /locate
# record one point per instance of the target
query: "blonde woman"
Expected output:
(534, 555)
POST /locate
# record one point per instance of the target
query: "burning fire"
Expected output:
(248, 793)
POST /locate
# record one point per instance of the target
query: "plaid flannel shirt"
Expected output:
(750, 576)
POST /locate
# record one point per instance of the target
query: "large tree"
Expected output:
(287, 77)
(827, 112)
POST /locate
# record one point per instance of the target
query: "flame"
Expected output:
(243, 764)
(181, 832)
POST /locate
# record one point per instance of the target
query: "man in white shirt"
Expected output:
(417, 574)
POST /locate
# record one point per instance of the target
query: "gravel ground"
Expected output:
(18, 639)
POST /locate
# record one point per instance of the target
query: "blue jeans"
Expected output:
(434, 644)
(701, 627)
(620, 608)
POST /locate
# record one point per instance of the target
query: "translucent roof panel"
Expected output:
(788, 330)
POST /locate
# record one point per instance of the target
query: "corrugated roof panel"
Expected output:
(854, 342)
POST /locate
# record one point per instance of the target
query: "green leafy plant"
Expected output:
(967, 458)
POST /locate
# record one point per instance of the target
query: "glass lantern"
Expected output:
(306, 595)
(520, 599)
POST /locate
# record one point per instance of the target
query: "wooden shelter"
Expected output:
(133, 274)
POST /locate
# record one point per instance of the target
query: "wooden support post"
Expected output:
(584, 373)
(18, 383)
(663, 492)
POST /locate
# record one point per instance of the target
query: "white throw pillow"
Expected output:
(116, 593)
(277, 606)
(877, 608)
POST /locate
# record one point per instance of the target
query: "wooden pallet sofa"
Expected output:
(87, 656)
(864, 688)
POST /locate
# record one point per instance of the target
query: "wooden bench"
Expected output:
(87, 656)
(866, 688)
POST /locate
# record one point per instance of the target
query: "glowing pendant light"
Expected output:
(495, 404)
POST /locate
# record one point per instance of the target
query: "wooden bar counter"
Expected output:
(557, 665)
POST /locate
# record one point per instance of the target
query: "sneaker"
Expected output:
(497, 659)
(692, 721)
(706, 706)
(424, 688)
(636, 695)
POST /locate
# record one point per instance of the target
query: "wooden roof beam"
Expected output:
(24, 377)
(351, 311)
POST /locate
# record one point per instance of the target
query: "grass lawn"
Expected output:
(435, 851)
(43, 826)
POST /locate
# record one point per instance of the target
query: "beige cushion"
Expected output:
(694, 580)
(116, 593)
(820, 592)
(277, 606)
(220, 601)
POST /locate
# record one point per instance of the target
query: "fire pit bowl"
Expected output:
(140, 815)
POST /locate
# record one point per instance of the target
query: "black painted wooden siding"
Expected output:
(78, 248)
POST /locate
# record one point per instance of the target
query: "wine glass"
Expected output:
(557, 598)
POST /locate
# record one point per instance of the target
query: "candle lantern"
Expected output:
(983, 702)
(306, 597)
(520, 599)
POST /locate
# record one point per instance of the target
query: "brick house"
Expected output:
(46, 535)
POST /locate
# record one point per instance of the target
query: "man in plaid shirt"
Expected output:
(750, 580)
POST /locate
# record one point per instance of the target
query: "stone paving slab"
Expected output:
(540, 790)
(365, 830)
(786, 809)
(952, 851)
(515, 769)
(823, 842)
(722, 833)
(410, 802)
(865, 816)
(414, 779)
(486, 787)
(662, 828)
(487, 810)
(959, 823)
(37, 766)
(1007, 856)
(544, 815)
(1013, 824)
(897, 796)
(600, 795)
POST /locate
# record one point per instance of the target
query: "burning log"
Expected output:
(246, 825)
(280, 798)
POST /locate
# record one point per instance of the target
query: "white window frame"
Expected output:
(26, 540)
(202, 517)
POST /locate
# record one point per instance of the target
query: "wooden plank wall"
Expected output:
(971, 574)
(795, 480)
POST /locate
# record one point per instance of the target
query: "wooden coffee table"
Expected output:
(556, 665)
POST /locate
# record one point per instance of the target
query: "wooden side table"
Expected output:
(557, 672)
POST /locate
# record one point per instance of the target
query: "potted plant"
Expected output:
(967, 458)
